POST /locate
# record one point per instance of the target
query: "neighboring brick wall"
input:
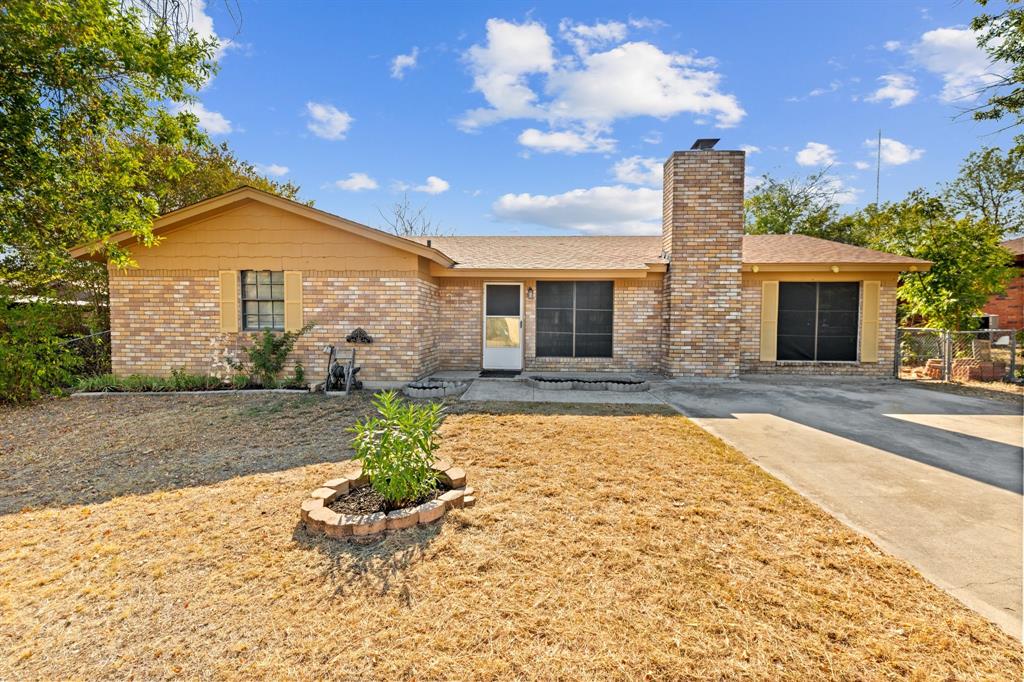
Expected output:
(636, 341)
(169, 319)
(750, 341)
(1010, 306)
(702, 230)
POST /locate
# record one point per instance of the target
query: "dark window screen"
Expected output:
(818, 321)
(503, 300)
(574, 319)
(262, 300)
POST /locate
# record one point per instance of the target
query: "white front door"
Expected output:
(503, 326)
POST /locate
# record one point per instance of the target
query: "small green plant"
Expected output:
(137, 383)
(397, 448)
(298, 375)
(239, 381)
(268, 354)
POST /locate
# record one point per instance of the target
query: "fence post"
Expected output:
(897, 355)
(947, 355)
(1013, 356)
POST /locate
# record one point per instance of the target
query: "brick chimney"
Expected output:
(702, 234)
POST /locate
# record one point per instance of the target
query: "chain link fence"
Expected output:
(959, 356)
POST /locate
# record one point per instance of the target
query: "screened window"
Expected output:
(262, 300)
(818, 320)
(574, 319)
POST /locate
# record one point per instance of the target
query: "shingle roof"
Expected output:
(550, 253)
(797, 249)
(634, 253)
(1016, 246)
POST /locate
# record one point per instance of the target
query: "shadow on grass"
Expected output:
(373, 565)
(80, 451)
(546, 408)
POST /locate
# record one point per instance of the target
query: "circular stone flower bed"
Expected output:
(343, 507)
(619, 385)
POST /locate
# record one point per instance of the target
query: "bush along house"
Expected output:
(701, 300)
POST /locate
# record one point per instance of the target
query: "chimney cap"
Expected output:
(705, 143)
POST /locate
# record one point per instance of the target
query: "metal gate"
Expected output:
(960, 356)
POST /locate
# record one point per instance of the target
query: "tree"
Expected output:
(991, 186)
(406, 220)
(214, 170)
(969, 265)
(81, 83)
(799, 206)
(1002, 37)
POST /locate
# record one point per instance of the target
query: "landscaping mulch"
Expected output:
(159, 538)
(366, 500)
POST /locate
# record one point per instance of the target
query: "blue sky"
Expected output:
(511, 118)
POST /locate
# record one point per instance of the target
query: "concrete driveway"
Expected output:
(932, 477)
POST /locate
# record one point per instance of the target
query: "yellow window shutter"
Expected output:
(229, 300)
(769, 320)
(292, 300)
(870, 322)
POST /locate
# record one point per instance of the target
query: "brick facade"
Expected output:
(167, 320)
(636, 330)
(750, 349)
(702, 231)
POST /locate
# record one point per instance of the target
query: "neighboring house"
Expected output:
(701, 300)
(1006, 311)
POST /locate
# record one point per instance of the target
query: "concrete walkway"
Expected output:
(931, 477)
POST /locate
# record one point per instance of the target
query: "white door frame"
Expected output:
(518, 359)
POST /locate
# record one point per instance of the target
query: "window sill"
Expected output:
(818, 363)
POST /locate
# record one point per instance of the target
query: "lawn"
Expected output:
(152, 537)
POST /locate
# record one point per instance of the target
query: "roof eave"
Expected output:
(840, 266)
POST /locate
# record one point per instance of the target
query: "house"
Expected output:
(1006, 311)
(700, 300)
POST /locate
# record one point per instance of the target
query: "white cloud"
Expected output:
(566, 141)
(601, 210)
(892, 45)
(816, 154)
(356, 182)
(638, 170)
(861, 165)
(645, 23)
(513, 51)
(433, 185)
(274, 169)
(327, 121)
(842, 193)
(584, 37)
(213, 122)
(898, 89)
(594, 88)
(750, 149)
(402, 62)
(653, 137)
(894, 152)
(953, 54)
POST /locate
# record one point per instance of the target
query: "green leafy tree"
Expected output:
(35, 359)
(81, 83)
(214, 170)
(1001, 35)
(969, 265)
(799, 206)
(990, 185)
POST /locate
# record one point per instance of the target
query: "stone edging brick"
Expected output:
(565, 385)
(318, 518)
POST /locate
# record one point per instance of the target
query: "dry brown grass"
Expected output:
(604, 545)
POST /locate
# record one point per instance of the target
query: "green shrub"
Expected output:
(397, 448)
(268, 354)
(239, 381)
(34, 359)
